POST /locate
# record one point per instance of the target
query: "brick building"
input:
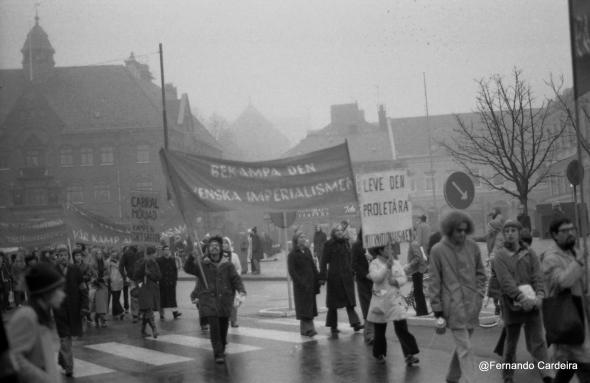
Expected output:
(88, 134)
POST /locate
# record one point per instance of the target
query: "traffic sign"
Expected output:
(459, 190)
(575, 172)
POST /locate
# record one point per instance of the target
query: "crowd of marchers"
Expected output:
(542, 293)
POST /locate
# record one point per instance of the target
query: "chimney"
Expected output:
(139, 70)
(170, 91)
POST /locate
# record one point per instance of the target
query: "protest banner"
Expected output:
(318, 179)
(580, 36)
(90, 228)
(33, 233)
(386, 211)
(144, 211)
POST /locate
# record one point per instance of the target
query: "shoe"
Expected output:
(358, 327)
(381, 359)
(370, 341)
(69, 374)
(205, 328)
(235, 324)
(220, 359)
(161, 316)
(122, 316)
(135, 319)
(508, 380)
(547, 379)
(411, 360)
(334, 331)
(176, 314)
(311, 333)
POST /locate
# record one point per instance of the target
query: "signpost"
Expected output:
(459, 190)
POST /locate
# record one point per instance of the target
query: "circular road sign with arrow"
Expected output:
(459, 190)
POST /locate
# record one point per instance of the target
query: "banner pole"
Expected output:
(582, 217)
(289, 293)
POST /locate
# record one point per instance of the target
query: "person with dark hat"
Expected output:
(31, 330)
(127, 268)
(520, 278)
(167, 264)
(147, 274)
(256, 250)
(217, 298)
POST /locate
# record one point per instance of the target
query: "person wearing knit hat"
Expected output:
(518, 271)
(31, 330)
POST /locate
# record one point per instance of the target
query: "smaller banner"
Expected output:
(30, 234)
(144, 211)
(580, 24)
(385, 207)
(90, 228)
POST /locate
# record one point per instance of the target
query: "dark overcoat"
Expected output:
(336, 269)
(306, 286)
(148, 273)
(222, 283)
(364, 286)
(168, 281)
(68, 318)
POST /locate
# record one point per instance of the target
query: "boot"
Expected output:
(152, 323)
(144, 323)
(176, 314)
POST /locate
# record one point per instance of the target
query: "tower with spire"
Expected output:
(38, 63)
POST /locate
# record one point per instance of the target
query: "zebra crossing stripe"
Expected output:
(281, 336)
(195, 342)
(295, 322)
(83, 368)
(139, 354)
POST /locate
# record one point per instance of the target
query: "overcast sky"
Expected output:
(295, 58)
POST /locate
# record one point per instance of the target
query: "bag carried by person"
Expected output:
(563, 317)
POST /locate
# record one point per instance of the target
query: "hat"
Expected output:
(61, 247)
(43, 278)
(512, 223)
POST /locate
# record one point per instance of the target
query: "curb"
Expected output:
(283, 312)
(246, 277)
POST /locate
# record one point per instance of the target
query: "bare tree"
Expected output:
(511, 138)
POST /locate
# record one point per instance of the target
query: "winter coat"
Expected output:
(416, 262)
(168, 281)
(306, 286)
(257, 251)
(494, 228)
(147, 272)
(34, 347)
(115, 277)
(68, 318)
(513, 270)
(235, 260)
(387, 303)
(99, 292)
(360, 267)
(319, 240)
(336, 269)
(561, 271)
(457, 285)
(18, 276)
(127, 264)
(423, 235)
(222, 281)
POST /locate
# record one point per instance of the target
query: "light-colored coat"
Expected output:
(387, 303)
(561, 271)
(457, 284)
(34, 347)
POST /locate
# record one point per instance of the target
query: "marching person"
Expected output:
(229, 253)
(68, 316)
(416, 267)
(31, 330)
(457, 289)
(364, 285)
(126, 267)
(256, 250)
(519, 275)
(99, 293)
(388, 305)
(336, 270)
(216, 300)
(563, 268)
(115, 286)
(305, 277)
(146, 275)
(319, 239)
(169, 270)
(423, 233)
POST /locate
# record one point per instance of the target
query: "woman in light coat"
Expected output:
(228, 251)
(99, 293)
(116, 286)
(387, 304)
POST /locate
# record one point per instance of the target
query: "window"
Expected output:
(32, 159)
(143, 154)
(36, 196)
(107, 155)
(74, 193)
(86, 157)
(143, 186)
(102, 192)
(66, 157)
(429, 183)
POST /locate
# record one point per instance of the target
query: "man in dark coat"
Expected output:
(68, 318)
(319, 239)
(147, 274)
(364, 286)
(169, 272)
(126, 267)
(257, 251)
(306, 286)
(336, 270)
(216, 300)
